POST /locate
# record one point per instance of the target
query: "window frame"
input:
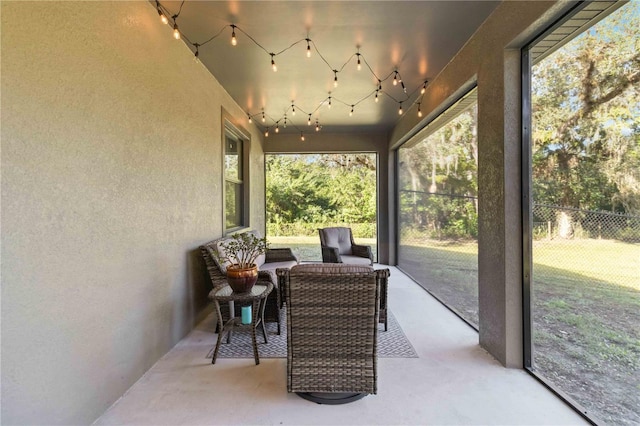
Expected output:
(243, 138)
(529, 56)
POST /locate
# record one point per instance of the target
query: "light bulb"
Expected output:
(266, 133)
(351, 112)
(285, 122)
(302, 137)
(379, 85)
(250, 121)
(234, 40)
(277, 129)
(359, 64)
(404, 89)
(176, 32)
(263, 118)
(376, 99)
(424, 88)
(293, 109)
(163, 18)
(273, 64)
(400, 109)
(329, 106)
(335, 78)
(309, 122)
(308, 49)
(419, 112)
(317, 126)
(395, 79)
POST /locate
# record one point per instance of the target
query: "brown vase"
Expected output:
(242, 280)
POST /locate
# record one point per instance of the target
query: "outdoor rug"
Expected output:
(391, 344)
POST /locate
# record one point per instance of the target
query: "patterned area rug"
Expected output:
(391, 344)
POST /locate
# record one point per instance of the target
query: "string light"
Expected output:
(163, 18)
(359, 59)
(302, 136)
(234, 40)
(176, 31)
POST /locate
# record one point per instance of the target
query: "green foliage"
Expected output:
(305, 192)
(586, 120)
(243, 249)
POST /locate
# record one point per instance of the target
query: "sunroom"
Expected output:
(507, 202)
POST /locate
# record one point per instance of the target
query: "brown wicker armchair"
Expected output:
(274, 259)
(338, 246)
(332, 314)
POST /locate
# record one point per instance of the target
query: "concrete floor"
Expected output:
(453, 382)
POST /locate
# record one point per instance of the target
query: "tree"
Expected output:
(586, 118)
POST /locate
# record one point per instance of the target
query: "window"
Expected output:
(583, 215)
(235, 181)
(438, 208)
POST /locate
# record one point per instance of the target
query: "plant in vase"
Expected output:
(240, 253)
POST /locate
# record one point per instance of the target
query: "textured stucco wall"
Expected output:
(111, 178)
(491, 60)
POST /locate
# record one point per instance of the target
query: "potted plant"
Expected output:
(241, 251)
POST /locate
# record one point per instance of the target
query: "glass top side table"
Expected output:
(256, 298)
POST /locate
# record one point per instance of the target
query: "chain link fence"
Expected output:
(552, 222)
(438, 246)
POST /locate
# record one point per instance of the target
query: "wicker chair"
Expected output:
(338, 246)
(332, 314)
(274, 259)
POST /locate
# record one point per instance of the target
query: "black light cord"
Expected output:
(161, 8)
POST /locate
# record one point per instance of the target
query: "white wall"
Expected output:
(111, 178)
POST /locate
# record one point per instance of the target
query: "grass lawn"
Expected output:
(586, 311)
(586, 314)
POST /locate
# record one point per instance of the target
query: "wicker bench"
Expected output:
(274, 259)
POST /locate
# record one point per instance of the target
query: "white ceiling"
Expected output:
(418, 38)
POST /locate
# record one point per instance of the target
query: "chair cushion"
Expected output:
(355, 260)
(338, 237)
(330, 268)
(272, 266)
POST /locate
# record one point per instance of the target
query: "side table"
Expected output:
(257, 298)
